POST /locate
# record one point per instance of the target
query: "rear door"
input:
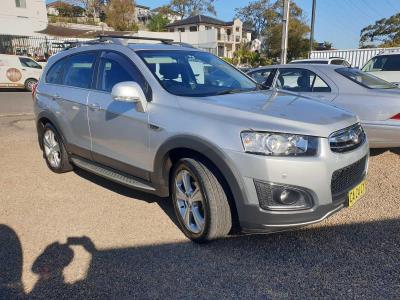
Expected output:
(306, 83)
(120, 132)
(73, 78)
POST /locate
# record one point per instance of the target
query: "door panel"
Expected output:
(73, 80)
(120, 133)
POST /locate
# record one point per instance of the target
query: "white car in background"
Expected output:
(19, 72)
(385, 66)
(323, 61)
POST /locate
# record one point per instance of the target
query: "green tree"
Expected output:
(158, 23)
(120, 15)
(256, 15)
(187, 8)
(385, 31)
(266, 18)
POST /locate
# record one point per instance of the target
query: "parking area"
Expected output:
(85, 237)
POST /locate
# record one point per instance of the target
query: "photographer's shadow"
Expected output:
(10, 264)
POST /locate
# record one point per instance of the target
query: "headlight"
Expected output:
(280, 144)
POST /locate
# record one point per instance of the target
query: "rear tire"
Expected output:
(54, 151)
(200, 202)
(29, 83)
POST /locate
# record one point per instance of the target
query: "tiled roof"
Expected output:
(199, 19)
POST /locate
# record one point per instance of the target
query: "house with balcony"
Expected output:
(228, 35)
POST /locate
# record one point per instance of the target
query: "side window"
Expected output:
(29, 63)
(115, 68)
(261, 76)
(337, 62)
(392, 63)
(300, 81)
(79, 70)
(55, 74)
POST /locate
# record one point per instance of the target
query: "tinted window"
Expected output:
(115, 68)
(301, 80)
(365, 79)
(337, 62)
(383, 63)
(195, 73)
(29, 63)
(260, 76)
(55, 74)
(79, 70)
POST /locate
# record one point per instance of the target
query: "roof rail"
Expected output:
(115, 38)
(121, 40)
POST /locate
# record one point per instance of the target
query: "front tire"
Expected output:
(54, 151)
(29, 84)
(200, 202)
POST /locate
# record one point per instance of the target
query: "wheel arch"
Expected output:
(193, 147)
(43, 118)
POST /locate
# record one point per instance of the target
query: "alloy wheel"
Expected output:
(52, 149)
(190, 201)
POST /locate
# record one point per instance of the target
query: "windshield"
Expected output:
(383, 63)
(195, 73)
(365, 79)
(27, 62)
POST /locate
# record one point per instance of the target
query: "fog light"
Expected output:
(289, 197)
(282, 197)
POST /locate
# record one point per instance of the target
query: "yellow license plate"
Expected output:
(355, 194)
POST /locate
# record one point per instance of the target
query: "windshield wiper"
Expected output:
(231, 91)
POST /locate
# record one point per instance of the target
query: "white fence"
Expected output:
(356, 57)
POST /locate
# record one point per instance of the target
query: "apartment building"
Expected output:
(229, 35)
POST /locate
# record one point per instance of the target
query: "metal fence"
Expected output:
(35, 46)
(356, 57)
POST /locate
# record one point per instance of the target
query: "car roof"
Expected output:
(387, 53)
(312, 59)
(298, 66)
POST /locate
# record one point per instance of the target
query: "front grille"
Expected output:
(347, 139)
(347, 177)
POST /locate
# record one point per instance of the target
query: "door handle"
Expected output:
(95, 106)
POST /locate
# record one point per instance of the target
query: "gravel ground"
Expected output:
(83, 237)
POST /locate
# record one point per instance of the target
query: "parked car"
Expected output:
(18, 72)
(385, 66)
(180, 122)
(375, 101)
(323, 61)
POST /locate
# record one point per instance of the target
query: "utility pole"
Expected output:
(285, 29)
(312, 26)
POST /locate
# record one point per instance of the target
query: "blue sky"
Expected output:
(337, 21)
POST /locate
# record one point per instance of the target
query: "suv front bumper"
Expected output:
(313, 174)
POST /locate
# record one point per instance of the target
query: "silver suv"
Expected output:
(180, 122)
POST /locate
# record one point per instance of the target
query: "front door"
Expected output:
(120, 132)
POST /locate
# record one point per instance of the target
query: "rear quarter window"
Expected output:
(55, 73)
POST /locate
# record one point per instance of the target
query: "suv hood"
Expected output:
(274, 111)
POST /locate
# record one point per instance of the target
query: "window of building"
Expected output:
(20, 3)
(208, 27)
(237, 29)
(171, 30)
(181, 29)
(237, 39)
(193, 28)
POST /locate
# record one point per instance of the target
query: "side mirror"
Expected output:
(129, 91)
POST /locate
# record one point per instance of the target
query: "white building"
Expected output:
(228, 37)
(22, 17)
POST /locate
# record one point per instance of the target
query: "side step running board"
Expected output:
(111, 174)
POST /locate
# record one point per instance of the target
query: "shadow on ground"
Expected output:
(379, 151)
(348, 261)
